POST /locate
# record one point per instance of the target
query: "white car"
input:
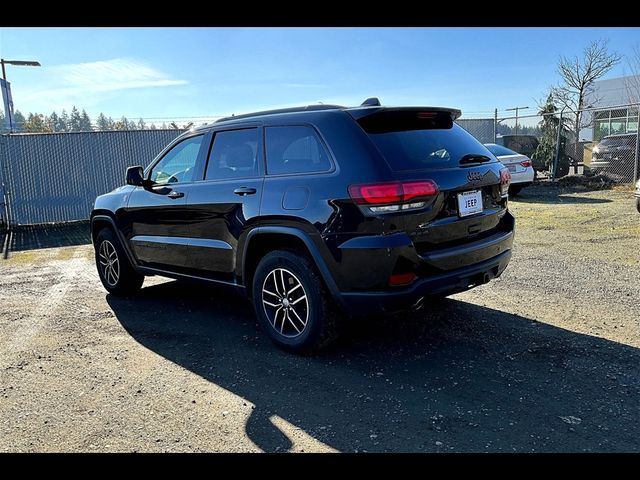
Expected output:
(637, 195)
(520, 166)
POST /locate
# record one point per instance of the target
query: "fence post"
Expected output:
(495, 126)
(556, 159)
(637, 166)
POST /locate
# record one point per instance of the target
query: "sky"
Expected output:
(164, 73)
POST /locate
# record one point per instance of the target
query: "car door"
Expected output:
(225, 205)
(156, 213)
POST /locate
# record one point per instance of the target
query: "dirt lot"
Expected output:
(543, 359)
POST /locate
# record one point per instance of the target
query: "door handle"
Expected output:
(242, 191)
(173, 195)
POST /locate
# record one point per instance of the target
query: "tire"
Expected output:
(118, 276)
(312, 323)
(638, 204)
(515, 190)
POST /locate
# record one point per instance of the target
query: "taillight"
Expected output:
(526, 163)
(505, 180)
(393, 196)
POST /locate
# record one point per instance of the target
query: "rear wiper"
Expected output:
(473, 158)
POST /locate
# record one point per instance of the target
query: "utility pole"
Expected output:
(6, 91)
(495, 126)
(516, 109)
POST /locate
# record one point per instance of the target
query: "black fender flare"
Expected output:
(123, 242)
(311, 247)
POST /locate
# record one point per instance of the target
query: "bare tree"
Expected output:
(578, 75)
(632, 75)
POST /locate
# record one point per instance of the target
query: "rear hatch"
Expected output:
(424, 144)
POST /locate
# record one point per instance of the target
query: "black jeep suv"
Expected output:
(313, 212)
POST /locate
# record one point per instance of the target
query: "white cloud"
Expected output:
(88, 83)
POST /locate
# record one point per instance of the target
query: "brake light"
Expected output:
(505, 180)
(378, 193)
(393, 193)
(526, 163)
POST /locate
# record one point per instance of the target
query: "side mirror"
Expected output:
(135, 176)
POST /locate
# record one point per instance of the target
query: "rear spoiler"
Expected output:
(361, 112)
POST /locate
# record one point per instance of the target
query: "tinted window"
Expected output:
(295, 150)
(233, 154)
(426, 148)
(499, 150)
(179, 162)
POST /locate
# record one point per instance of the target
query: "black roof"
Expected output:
(371, 105)
(307, 108)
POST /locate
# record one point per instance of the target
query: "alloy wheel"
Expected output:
(285, 302)
(109, 263)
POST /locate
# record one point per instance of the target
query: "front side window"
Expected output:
(295, 149)
(234, 154)
(178, 165)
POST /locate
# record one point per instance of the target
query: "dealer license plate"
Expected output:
(470, 203)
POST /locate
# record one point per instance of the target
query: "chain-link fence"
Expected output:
(56, 177)
(591, 141)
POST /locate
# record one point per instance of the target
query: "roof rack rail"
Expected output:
(307, 108)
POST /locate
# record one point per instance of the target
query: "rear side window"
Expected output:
(295, 149)
(412, 145)
(233, 154)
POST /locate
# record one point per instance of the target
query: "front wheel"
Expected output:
(292, 303)
(116, 272)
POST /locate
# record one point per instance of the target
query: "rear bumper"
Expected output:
(445, 271)
(454, 281)
(526, 176)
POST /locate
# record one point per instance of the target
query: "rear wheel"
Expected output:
(638, 204)
(292, 303)
(115, 270)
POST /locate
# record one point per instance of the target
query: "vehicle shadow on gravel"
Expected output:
(457, 377)
(564, 198)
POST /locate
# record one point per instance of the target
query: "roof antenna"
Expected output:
(371, 102)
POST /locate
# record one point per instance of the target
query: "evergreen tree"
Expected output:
(141, 124)
(64, 121)
(546, 151)
(75, 120)
(153, 127)
(102, 122)
(3, 126)
(19, 120)
(85, 122)
(53, 121)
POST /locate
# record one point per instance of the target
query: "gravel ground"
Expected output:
(544, 358)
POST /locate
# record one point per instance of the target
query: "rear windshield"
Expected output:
(499, 150)
(418, 148)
